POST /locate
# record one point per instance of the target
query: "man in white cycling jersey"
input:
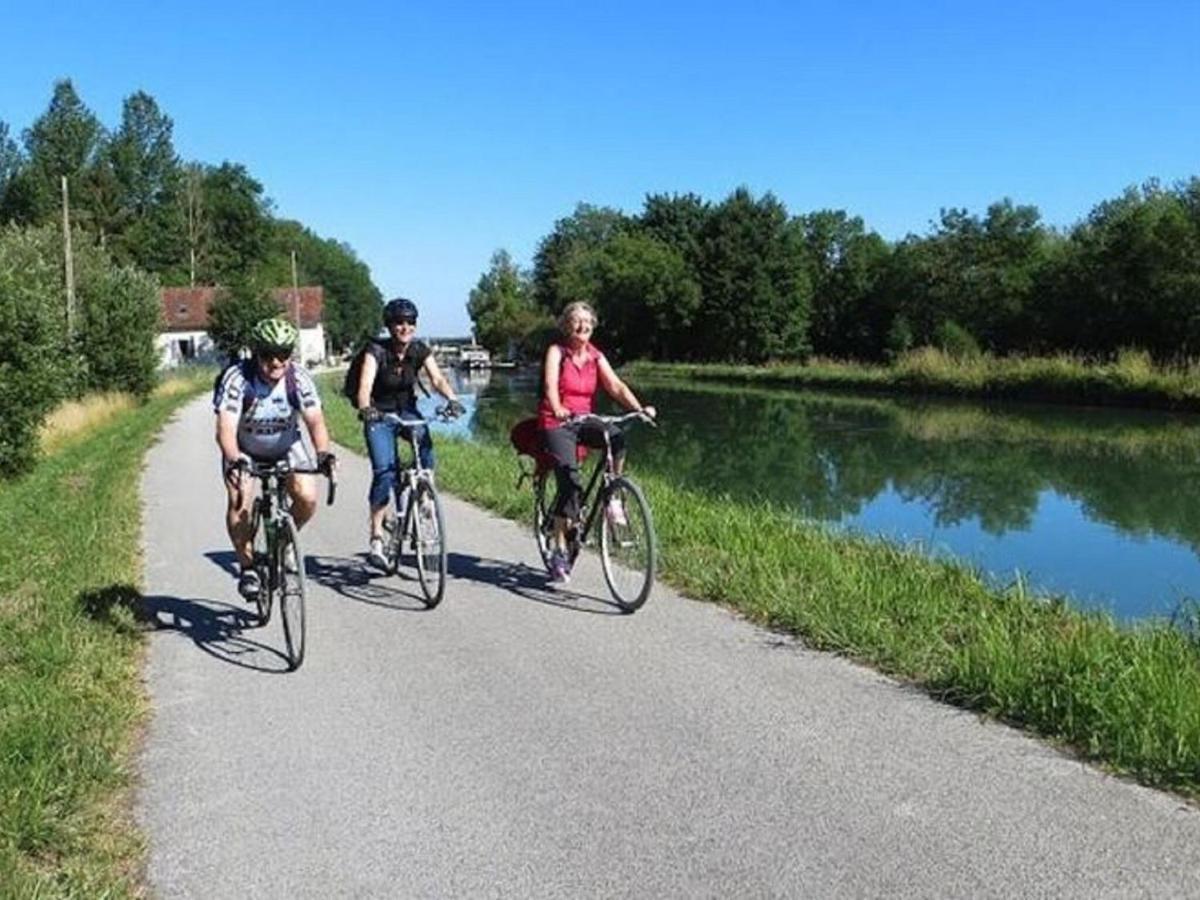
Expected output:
(259, 404)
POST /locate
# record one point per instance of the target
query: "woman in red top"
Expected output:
(572, 370)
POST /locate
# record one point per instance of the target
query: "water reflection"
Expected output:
(1099, 504)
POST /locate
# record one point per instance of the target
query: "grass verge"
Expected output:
(70, 692)
(1130, 380)
(1125, 697)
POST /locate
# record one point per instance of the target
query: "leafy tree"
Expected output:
(1130, 276)
(234, 314)
(643, 293)
(679, 221)
(10, 162)
(501, 307)
(585, 229)
(64, 140)
(756, 292)
(352, 302)
(844, 263)
(239, 222)
(147, 174)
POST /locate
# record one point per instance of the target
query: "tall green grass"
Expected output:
(70, 692)
(1131, 379)
(1126, 697)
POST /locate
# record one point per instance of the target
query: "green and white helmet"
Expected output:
(274, 334)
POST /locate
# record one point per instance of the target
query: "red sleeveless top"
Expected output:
(576, 385)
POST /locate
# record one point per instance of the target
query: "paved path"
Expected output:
(521, 741)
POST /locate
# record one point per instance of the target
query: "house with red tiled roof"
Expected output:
(184, 335)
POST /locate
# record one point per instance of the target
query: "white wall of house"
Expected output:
(312, 345)
(177, 347)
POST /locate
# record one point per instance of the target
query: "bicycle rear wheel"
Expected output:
(627, 543)
(291, 594)
(429, 539)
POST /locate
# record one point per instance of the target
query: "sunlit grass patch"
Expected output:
(77, 416)
(70, 691)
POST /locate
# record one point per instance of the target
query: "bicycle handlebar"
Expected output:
(281, 468)
(443, 415)
(594, 418)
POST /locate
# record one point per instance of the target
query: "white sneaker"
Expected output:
(289, 561)
(375, 553)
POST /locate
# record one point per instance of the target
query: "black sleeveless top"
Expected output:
(396, 379)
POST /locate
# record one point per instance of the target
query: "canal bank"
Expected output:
(1125, 696)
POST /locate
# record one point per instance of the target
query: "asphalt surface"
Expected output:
(528, 741)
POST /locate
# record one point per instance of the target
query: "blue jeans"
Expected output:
(381, 447)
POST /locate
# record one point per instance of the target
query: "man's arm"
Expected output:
(227, 424)
(314, 419)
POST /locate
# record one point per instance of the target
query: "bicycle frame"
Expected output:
(409, 476)
(604, 470)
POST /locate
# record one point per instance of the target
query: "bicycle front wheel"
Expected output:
(627, 543)
(429, 539)
(291, 594)
(262, 564)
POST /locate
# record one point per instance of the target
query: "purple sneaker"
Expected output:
(560, 569)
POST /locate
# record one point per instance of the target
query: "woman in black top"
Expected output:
(388, 385)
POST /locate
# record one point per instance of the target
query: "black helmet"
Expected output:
(400, 308)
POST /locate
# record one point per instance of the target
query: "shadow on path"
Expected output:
(216, 628)
(356, 579)
(529, 583)
(223, 559)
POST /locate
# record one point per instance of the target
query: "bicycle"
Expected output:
(277, 557)
(628, 545)
(419, 521)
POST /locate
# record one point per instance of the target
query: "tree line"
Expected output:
(743, 280)
(141, 217)
(185, 223)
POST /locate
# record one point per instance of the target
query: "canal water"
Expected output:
(1101, 506)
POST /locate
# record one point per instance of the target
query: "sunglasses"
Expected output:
(281, 355)
(404, 320)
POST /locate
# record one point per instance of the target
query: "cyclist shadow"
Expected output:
(356, 579)
(216, 628)
(224, 559)
(528, 583)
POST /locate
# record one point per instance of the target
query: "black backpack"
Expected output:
(247, 367)
(354, 373)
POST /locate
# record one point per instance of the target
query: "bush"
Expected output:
(118, 322)
(35, 370)
(955, 341)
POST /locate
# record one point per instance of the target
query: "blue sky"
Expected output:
(428, 137)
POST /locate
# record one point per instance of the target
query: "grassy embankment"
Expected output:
(1128, 698)
(70, 694)
(1131, 380)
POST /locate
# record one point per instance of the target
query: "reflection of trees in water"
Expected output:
(827, 456)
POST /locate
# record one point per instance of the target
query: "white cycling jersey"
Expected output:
(268, 420)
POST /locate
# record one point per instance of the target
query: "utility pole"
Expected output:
(69, 268)
(295, 290)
